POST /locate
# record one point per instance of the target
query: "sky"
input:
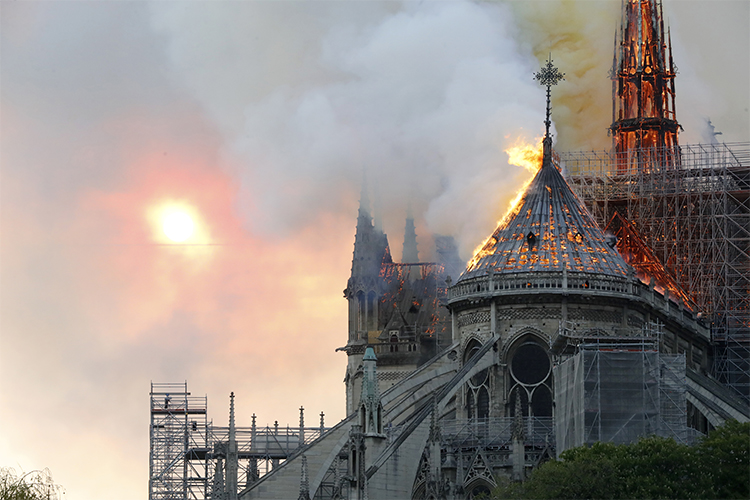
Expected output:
(260, 120)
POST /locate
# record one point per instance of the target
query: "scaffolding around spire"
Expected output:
(693, 218)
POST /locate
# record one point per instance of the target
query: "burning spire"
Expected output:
(643, 73)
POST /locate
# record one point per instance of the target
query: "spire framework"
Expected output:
(643, 73)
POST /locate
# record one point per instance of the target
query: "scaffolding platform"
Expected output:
(178, 443)
(690, 205)
(609, 395)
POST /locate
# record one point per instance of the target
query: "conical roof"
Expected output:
(548, 230)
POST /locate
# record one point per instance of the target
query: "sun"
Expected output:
(178, 226)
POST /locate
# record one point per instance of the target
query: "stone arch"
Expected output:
(527, 332)
(479, 479)
(529, 373)
(419, 490)
(477, 391)
(468, 339)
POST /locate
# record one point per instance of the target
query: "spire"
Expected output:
(643, 112)
(304, 484)
(410, 254)
(518, 435)
(232, 455)
(370, 244)
(232, 430)
(364, 200)
(549, 229)
(435, 435)
(548, 76)
(377, 213)
(218, 492)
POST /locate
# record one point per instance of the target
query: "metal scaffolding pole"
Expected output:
(692, 209)
(178, 444)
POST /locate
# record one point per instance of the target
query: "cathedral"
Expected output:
(555, 334)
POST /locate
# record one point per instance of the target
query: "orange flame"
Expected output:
(526, 155)
(521, 154)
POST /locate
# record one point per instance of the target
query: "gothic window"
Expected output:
(631, 100)
(483, 402)
(478, 387)
(541, 401)
(371, 316)
(394, 341)
(360, 311)
(531, 376)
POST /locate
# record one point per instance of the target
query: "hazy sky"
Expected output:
(260, 119)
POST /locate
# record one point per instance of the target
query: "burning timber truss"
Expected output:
(691, 206)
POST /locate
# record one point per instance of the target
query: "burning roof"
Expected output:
(548, 230)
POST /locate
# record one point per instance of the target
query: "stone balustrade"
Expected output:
(514, 284)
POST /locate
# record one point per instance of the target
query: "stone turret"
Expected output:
(363, 292)
(410, 253)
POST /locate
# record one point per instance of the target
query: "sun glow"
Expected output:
(178, 226)
(177, 223)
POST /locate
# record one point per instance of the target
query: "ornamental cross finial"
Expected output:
(549, 76)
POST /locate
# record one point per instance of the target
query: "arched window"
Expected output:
(478, 387)
(361, 308)
(541, 401)
(531, 376)
(648, 100)
(371, 314)
(394, 341)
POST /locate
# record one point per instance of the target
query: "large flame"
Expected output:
(521, 154)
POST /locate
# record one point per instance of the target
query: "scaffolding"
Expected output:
(191, 459)
(259, 451)
(691, 205)
(178, 443)
(616, 393)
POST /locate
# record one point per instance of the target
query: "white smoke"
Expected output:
(425, 96)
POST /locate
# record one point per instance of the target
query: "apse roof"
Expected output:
(549, 229)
